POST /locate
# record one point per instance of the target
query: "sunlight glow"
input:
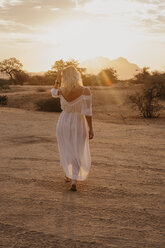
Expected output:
(108, 28)
(106, 79)
(76, 41)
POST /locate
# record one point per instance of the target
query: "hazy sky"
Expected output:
(38, 32)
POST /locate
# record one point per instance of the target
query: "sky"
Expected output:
(39, 32)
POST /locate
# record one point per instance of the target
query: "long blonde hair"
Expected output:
(71, 79)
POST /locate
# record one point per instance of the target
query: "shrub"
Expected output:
(41, 89)
(4, 84)
(148, 102)
(49, 105)
(151, 79)
(157, 79)
(142, 76)
(107, 77)
(153, 90)
(89, 80)
(36, 80)
(3, 100)
(20, 77)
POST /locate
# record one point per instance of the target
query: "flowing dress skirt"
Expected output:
(73, 145)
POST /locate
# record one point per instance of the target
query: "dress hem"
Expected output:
(77, 179)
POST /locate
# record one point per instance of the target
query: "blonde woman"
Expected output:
(74, 126)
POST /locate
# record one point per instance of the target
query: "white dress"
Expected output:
(72, 135)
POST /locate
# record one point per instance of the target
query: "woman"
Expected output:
(74, 126)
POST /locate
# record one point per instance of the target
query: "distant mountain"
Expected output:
(41, 73)
(124, 68)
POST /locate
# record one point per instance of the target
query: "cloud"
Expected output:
(82, 2)
(150, 1)
(4, 3)
(25, 16)
(161, 19)
(52, 28)
(33, 16)
(8, 26)
(43, 3)
(153, 25)
(151, 16)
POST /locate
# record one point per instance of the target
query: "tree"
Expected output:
(50, 77)
(58, 65)
(75, 63)
(142, 76)
(89, 80)
(107, 77)
(11, 67)
(61, 64)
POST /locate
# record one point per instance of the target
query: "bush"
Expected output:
(3, 100)
(36, 80)
(107, 77)
(148, 102)
(153, 90)
(41, 89)
(49, 105)
(151, 79)
(157, 79)
(142, 76)
(89, 80)
(4, 84)
(20, 77)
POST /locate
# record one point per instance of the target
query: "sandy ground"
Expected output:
(121, 204)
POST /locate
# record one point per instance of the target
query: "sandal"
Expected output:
(67, 179)
(73, 187)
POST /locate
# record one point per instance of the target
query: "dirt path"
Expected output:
(121, 204)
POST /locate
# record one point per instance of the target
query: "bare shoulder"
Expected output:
(87, 91)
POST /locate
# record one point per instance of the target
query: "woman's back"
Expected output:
(77, 101)
(75, 93)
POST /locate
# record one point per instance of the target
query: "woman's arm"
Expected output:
(88, 105)
(55, 91)
(58, 80)
(89, 121)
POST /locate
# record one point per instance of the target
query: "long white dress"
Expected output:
(72, 135)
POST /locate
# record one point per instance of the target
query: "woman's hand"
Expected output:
(59, 76)
(91, 133)
(58, 79)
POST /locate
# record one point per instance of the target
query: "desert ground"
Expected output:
(122, 202)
